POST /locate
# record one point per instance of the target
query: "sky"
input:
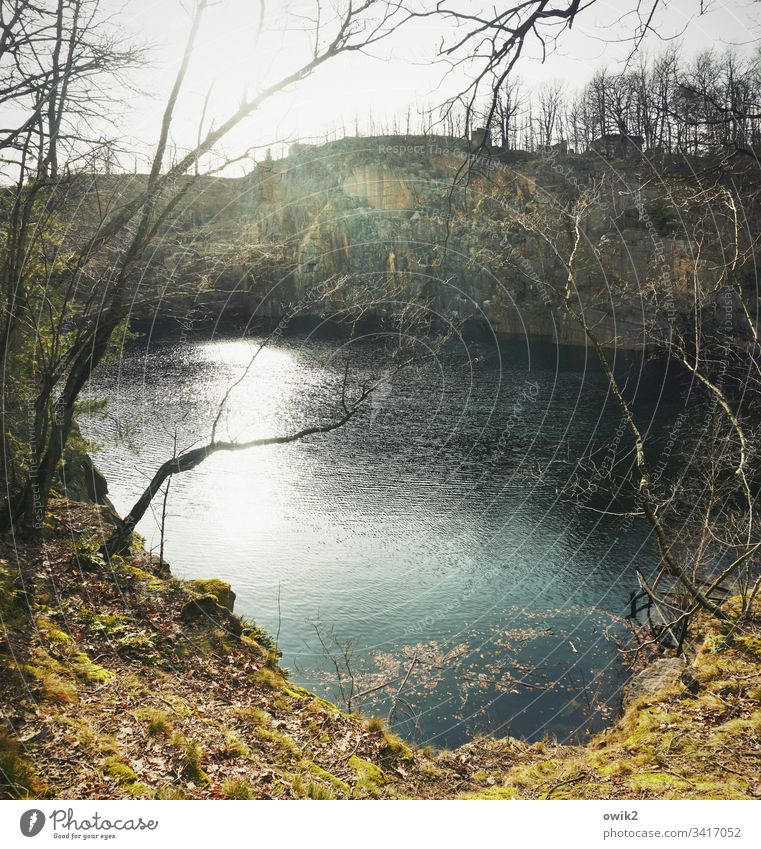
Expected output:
(235, 57)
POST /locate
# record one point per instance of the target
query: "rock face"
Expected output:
(415, 217)
(82, 480)
(664, 672)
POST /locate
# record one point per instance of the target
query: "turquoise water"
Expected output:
(431, 542)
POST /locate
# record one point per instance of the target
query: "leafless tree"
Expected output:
(550, 98)
(702, 514)
(83, 298)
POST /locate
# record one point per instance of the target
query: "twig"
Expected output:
(555, 787)
(401, 687)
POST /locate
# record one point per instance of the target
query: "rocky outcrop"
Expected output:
(417, 217)
(206, 610)
(221, 590)
(82, 480)
(660, 675)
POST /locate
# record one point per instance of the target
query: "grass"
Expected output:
(284, 743)
(192, 755)
(158, 721)
(234, 747)
(168, 792)
(237, 788)
(394, 749)
(306, 789)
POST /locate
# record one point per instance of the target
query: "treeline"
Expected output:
(698, 106)
(694, 106)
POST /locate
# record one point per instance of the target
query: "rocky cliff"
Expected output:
(422, 218)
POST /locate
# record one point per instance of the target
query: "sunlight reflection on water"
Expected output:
(428, 528)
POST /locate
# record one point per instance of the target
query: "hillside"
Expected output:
(120, 681)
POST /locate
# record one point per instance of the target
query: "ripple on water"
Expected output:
(429, 527)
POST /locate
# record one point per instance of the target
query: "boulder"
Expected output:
(664, 672)
(81, 480)
(204, 609)
(221, 590)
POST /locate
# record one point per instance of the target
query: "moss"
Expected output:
(724, 788)
(138, 574)
(106, 623)
(255, 715)
(138, 790)
(55, 685)
(221, 590)
(717, 643)
(17, 775)
(282, 741)
(739, 728)
(295, 693)
(615, 768)
(657, 782)
(750, 644)
(237, 788)
(52, 633)
(493, 793)
(268, 678)
(91, 672)
(369, 776)
(118, 771)
(318, 772)
(319, 705)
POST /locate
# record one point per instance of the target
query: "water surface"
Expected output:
(430, 536)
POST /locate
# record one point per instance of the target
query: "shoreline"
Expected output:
(144, 677)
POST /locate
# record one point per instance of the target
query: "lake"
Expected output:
(430, 549)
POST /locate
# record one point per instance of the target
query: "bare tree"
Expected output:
(84, 298)
(703, 514)
(550, 99)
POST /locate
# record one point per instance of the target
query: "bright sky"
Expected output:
(398, 73)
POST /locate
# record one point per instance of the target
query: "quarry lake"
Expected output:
(432, 549)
